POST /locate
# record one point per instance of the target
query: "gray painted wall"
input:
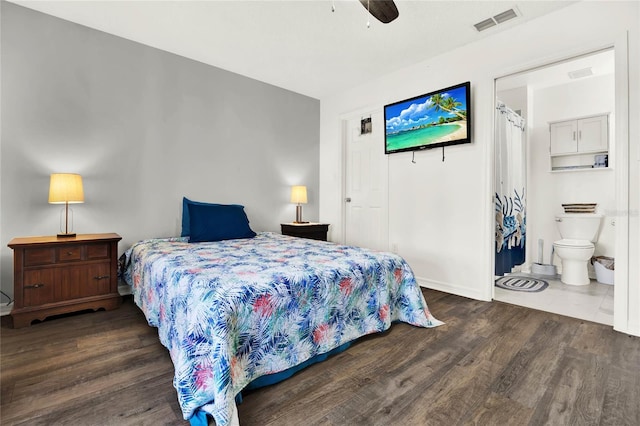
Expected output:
(144, 128)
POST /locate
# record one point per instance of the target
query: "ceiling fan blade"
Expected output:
(384, 11)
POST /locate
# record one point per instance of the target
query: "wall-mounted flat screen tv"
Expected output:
(431, 120)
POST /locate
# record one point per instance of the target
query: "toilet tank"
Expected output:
(579, 226)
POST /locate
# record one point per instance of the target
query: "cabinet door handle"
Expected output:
(101, 277)
(574, 135)
(579, 134)
(33, 286)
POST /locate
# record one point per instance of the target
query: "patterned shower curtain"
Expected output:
(510, 190)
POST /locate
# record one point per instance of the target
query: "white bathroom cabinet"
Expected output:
(578, 143)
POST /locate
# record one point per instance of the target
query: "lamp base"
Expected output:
(295, 221)
(70, 235)
(298, 214)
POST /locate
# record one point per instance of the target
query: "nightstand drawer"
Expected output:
(37, 288)
(83, 281)
(39, 256)
(98, 251)
(69, 253)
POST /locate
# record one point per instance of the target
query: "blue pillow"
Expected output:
(217, 222)
(185, 214)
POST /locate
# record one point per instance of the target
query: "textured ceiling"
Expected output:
(298, 45)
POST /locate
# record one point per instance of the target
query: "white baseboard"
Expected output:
(458, 290)
(5, 309)
(124, 290)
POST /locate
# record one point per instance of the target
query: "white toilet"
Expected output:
(579, 232)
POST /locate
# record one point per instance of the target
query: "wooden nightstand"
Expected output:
(54, 276)
(314, 231)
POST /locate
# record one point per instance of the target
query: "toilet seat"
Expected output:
(576, 244)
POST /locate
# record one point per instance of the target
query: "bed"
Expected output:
(234, 311)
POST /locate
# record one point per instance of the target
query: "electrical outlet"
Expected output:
(394, 248)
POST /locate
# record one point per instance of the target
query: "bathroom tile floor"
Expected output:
(593, 302)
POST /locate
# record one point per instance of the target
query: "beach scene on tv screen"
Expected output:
(427, 120)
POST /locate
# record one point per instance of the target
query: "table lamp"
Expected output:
(298, 197)
(66, 188)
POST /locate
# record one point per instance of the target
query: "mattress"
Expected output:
(232, 311)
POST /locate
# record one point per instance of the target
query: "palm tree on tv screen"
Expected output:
(448, 104)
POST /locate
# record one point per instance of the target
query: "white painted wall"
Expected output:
(516, 99)
(548, 190)
(441, 213)
(144, 128)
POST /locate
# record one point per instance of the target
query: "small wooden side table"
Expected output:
(53, 275)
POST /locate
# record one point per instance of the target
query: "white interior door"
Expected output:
(366, 176)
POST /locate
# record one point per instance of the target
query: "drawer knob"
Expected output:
(69, 253)
(101, 277)
(34, 286)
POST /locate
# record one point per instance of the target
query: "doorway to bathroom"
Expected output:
(534, 177)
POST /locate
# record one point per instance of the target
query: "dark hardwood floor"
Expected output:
(491, 364)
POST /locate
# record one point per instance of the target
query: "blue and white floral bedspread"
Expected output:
(235, 310)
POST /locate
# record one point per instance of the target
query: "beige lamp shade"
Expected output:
(299, 194)
(65, 188)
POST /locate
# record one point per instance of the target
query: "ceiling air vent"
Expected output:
(487, 23)
(498, 19)
(505, 16)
